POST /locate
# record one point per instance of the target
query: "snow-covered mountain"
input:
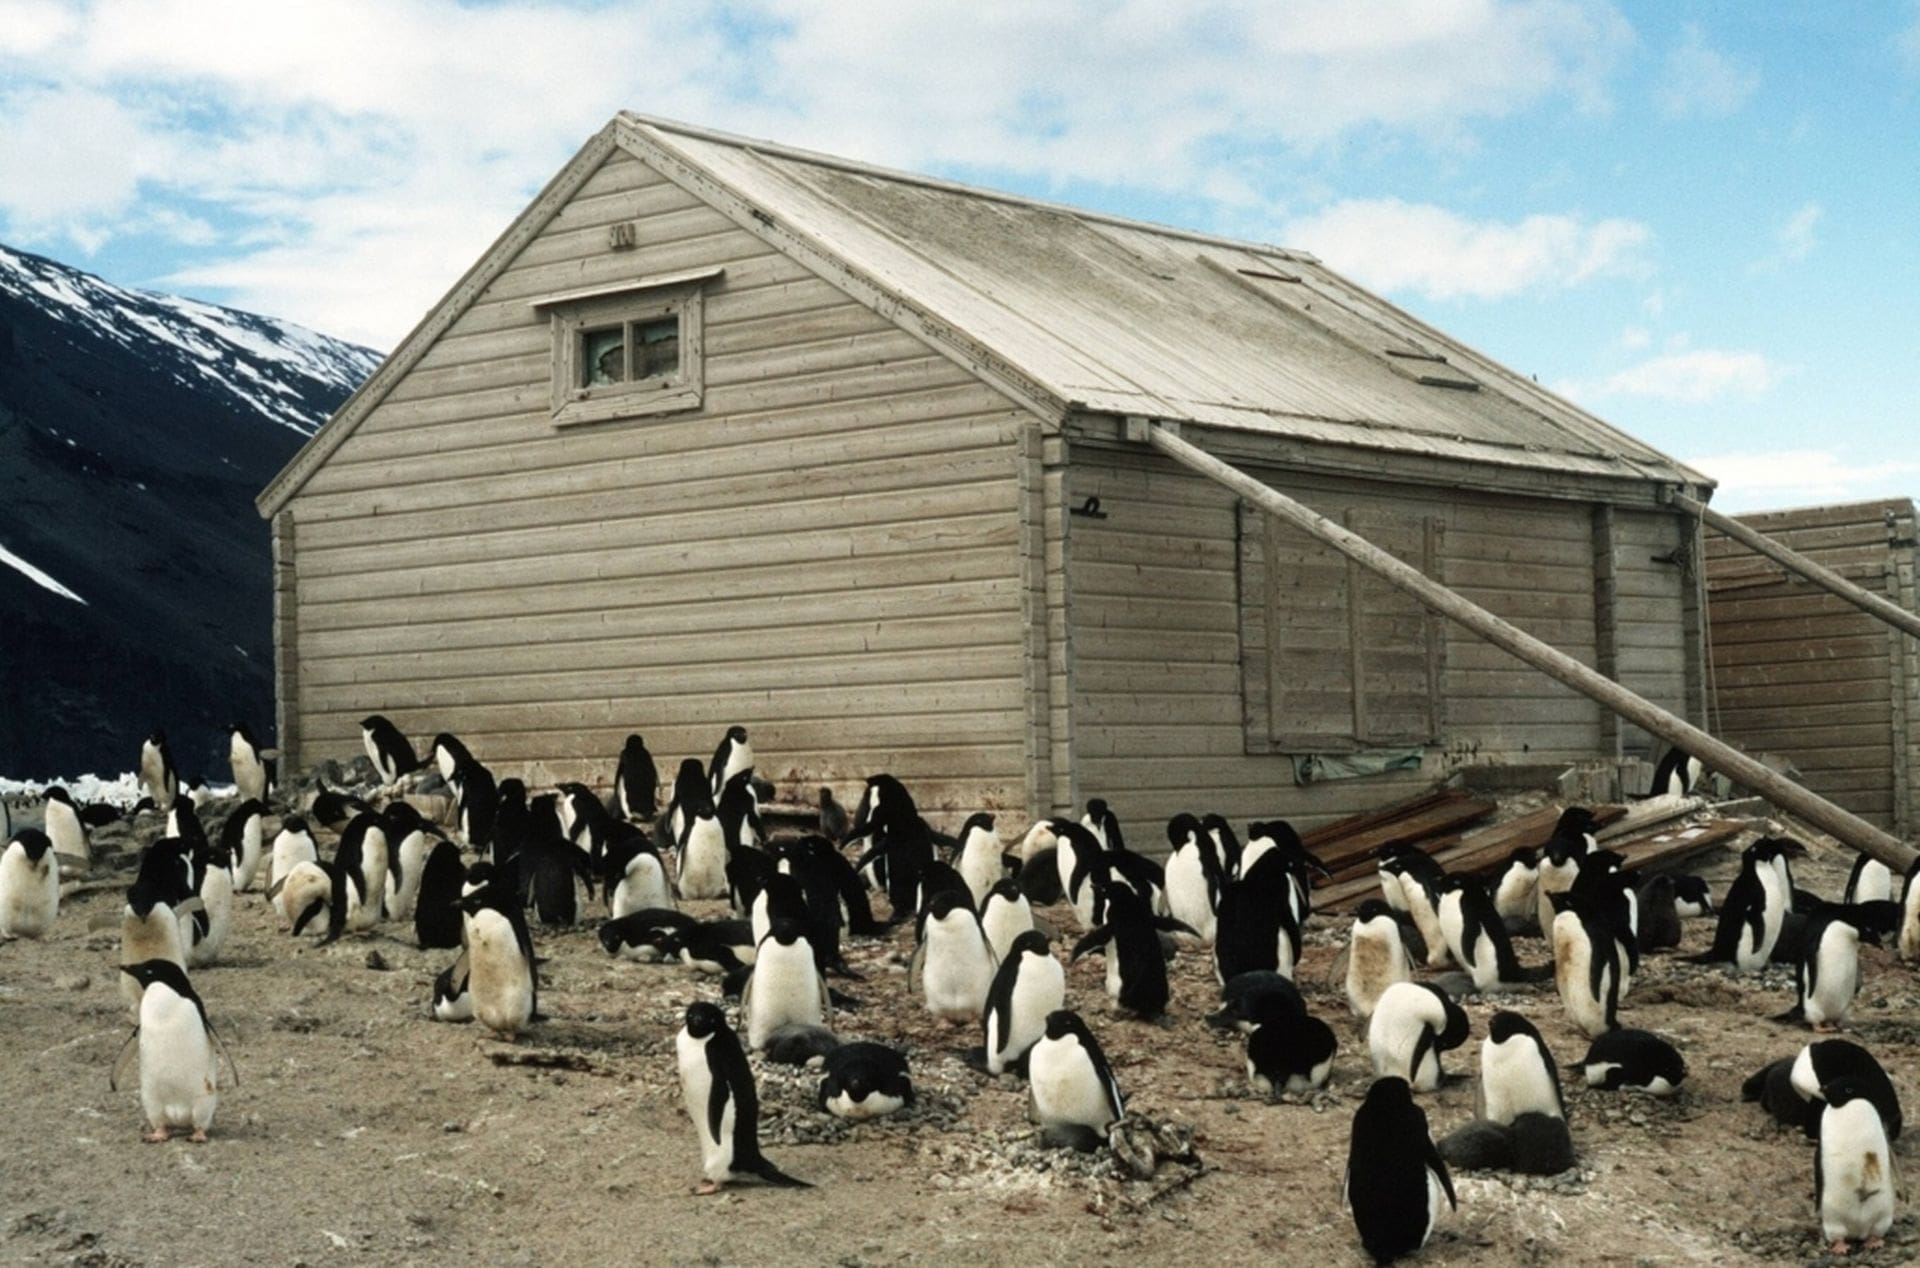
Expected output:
(135, 581)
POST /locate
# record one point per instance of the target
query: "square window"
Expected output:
(603, 357)
(656, 347)
(627, 351)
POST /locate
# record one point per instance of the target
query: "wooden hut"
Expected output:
(1802, 673)
(719, 431)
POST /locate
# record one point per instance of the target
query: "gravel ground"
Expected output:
(363, 1132)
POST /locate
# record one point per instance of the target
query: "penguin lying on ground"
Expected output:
(717, 1086)
(865, 1080)
(1632, 1060)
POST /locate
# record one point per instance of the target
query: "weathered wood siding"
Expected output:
(1803, 673)
(1158, 719)
(1654, 566)
(829, 552)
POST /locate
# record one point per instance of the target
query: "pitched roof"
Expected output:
(1076, 312)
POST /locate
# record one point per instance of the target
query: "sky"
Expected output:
(1700, 221)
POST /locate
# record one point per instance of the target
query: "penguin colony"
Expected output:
(985, 964)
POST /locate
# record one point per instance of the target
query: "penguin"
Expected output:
(634, 878)
(183, 821)
(29, 885)
(1752, 916)
(1136, 966)
(1395, 1177)
(733, 757)
(242, 836)
(713, 946)
(1517, 1073)
(1289, 1051)
(150, 925)
(453, 991)
(1602, 886)
(1560, 862)
(636, 783)
(786, 987)
(1253, 998)
(1514, 895)
(834, 823)
(1100, 820)
(294, 844)
(702, 844)
(179, 1069)
(778, 896)
(157, 772)
(448, 755)
(1476, 936)
(1659, 914)
(1029, 986)
(1069, 1083)
(1828, 973)
(408, 837)
(1004, 916)
(1869, 881)
(206, 930)
(1908, 941)
(1225, 844)
(717, 1085)
(360, 864)
(1414, 1023)
(1407, 875)
(1075, 853)
(1632, 1060)
(1588, 968)
(1830, 1060)
(954, 965)
(818, 855)
(61, 821)
(1692, 897)
(1376, 958)
(1675, 775)
(502, 974)
(901, 859)
(1853, 1174)
(865, 1080)
(477, 806)
(1278, 836)
(981, 862)
(303, 893)
(252, 768)
(436, 908)
(389, 751)
(1194, 875)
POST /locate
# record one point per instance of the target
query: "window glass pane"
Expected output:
(656, 348)
(602, 357)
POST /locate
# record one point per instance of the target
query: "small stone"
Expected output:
(72, 982)
(377, 962)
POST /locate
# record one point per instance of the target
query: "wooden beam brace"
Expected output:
(1782, 792)
(1793, 561)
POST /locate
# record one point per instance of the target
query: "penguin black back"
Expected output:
(436, 912)
(637, 781)
(1390, 1156)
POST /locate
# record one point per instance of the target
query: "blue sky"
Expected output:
(1701, 221)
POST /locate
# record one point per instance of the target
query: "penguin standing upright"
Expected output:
(502, 975)
(954, 963)
(701, 842)
(1413, 1023)
(981, 863)
(157, 772)
(1376, 958)
(1136, 967)
(179, 1070)
(449, 755)
(360, 865)
(1517, 1074)
(1194, 876)
(1029, 986)
(408, 837)
(1828, 974)
(634, 878)
(1004, 916)
(29, 885)
(1069, 1083)
(390, 752)
(294, 844)
(478, 805)
(150, 925)
(436, 910)
(1853, 1176)
(636, 783)
(717, 1085)
(1514, 893)
(207, 929)
(1908, 942)
(252, 769)
(242, 836)
(64, 827)
(1754, 911)
(1560, 862)
(1588, 967)
(786, 987)
(1104, 824)
(733, 757)
(1395, 1176)
(1476, 935)
(1407, 877)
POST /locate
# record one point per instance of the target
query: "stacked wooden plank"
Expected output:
(1347, 847)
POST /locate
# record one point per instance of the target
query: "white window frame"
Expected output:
(572, 315)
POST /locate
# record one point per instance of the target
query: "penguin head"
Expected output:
(165, 972)
(165, 876)
(1007, 890)
(1391, 1090)
(979, 822)
(738, 734)
(1097, 809)
(1032, 942)
(54, 792)
(945, 902)
(1575, 823)
(33, 841)
(787, 931)
(704, 1019)
(1505, 1025)
(1371, 910)
(1220, 830)
(159, 738)
(239, 729)
(1182, 828)
(1063, 1023)
(293, 826)
(1837, 1092)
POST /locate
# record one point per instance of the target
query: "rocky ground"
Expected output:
(363, 1132)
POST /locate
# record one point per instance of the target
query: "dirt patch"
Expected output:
(363, 1132)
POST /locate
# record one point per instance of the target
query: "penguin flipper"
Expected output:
(1091, 942)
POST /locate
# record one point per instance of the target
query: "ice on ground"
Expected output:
(36, 576)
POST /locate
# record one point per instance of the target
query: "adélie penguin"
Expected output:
(1634, 1061)
(1517, 1074)
(636, 783)
(786, 988)
(1194, 875)
(700, 840)
(1869, 881)
(1853, 1172)
(1476, 935)
(449, 755)
(1414, 1023)
(1395, 1179)
(982, 858)
(179, 1066)
(717, 1085)
(502, 973)
(1828, 974)
(157, 772)
(1136, 966)
(453, 991)
(252, 768)
(1376, 958)
(1589, 967)
(954, 964)
(294, 844)
(1029, 986)
(1288, 1050)
(1751, 917)
(733, 757)
(243, 836)
(1005, 915)
(865, 1080)
(390, 752)
(1069, 1083)
(29, 885)
(61, 821)
(408, 836)
(150, 925)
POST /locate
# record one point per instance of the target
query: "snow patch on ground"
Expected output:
(36, 576)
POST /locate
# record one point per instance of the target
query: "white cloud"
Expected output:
(1691, 377)
(325, 138)
(1793, 241)
(1798, 477)
(1396, 246)
(1635, 338)
(1699, 80)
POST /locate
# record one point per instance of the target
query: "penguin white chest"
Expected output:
(29, 893)
(1856, 1193)
(216, 898)
(644, 885)
(1005, 921)
(1514, 1081)
(1572, 972)
(1065, 1087)
(1752, 954)
(1514, 899)
(980, 865)
(785, 990)
(1040, 988)
(696, 1090)
(958, 967)
(1837, 979)
(703, 860)
(499, 977)
(64, 829)
(178, 1075)
(1376, 959)
(1188, 895)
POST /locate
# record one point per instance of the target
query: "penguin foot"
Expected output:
(1875, 1243)
(1840, 1247)
(708, 1188)
(199, 1136)
(158, 1136)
